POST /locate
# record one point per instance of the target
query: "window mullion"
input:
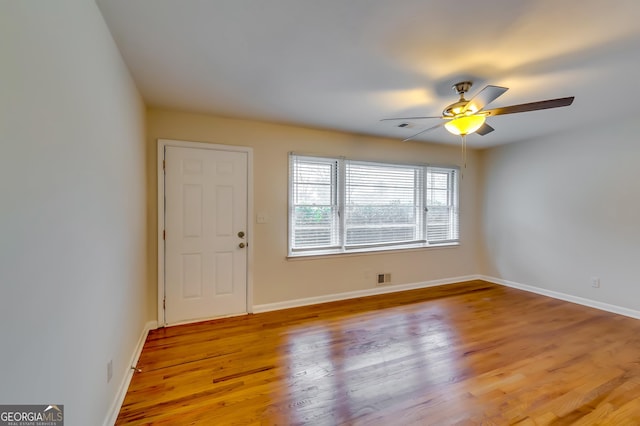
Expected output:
(341, 177)
(421, 185)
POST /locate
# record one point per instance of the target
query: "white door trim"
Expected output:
(162, 144)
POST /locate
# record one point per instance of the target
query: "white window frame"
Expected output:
(340, 181)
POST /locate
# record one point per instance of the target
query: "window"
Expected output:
(339, 206)
(314, 219)
(382, 204)
(442, 204)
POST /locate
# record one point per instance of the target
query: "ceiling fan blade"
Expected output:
(484, 129)
(408, 118)
(425, 130)
(484, 97)
(531, 106)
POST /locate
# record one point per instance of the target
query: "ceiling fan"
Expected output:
(468, 116)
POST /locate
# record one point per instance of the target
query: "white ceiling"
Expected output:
(345, 64)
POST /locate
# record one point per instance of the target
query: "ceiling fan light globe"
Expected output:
(465, 125)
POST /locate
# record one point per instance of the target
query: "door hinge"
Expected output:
(164, 165)
(164, 234)
(164, 304)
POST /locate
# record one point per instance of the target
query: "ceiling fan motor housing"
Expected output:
(462, 87)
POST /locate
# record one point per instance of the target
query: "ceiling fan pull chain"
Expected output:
(464, 153)
(464, 150)
(464, 143)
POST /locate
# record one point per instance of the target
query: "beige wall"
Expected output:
(560, 210)
(278, 279)
(72, 188)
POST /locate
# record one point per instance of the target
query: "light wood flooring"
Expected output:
(463, 354)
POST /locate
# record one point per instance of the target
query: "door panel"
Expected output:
(205, 209)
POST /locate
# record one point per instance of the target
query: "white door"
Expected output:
(205, 239)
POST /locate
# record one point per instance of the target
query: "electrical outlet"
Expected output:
(109, 370)
(595, 282)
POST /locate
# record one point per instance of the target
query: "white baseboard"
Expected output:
(114, 410)
(402, 287)
(566, 297)
(357, 293)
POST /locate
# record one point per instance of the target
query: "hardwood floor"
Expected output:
(463, 354)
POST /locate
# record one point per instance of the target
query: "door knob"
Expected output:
(241, 245)
(241, 234)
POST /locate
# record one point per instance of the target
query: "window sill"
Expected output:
(310, 255)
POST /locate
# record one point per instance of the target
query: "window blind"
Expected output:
(314, 209)
(382, 203)
(442, 205)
